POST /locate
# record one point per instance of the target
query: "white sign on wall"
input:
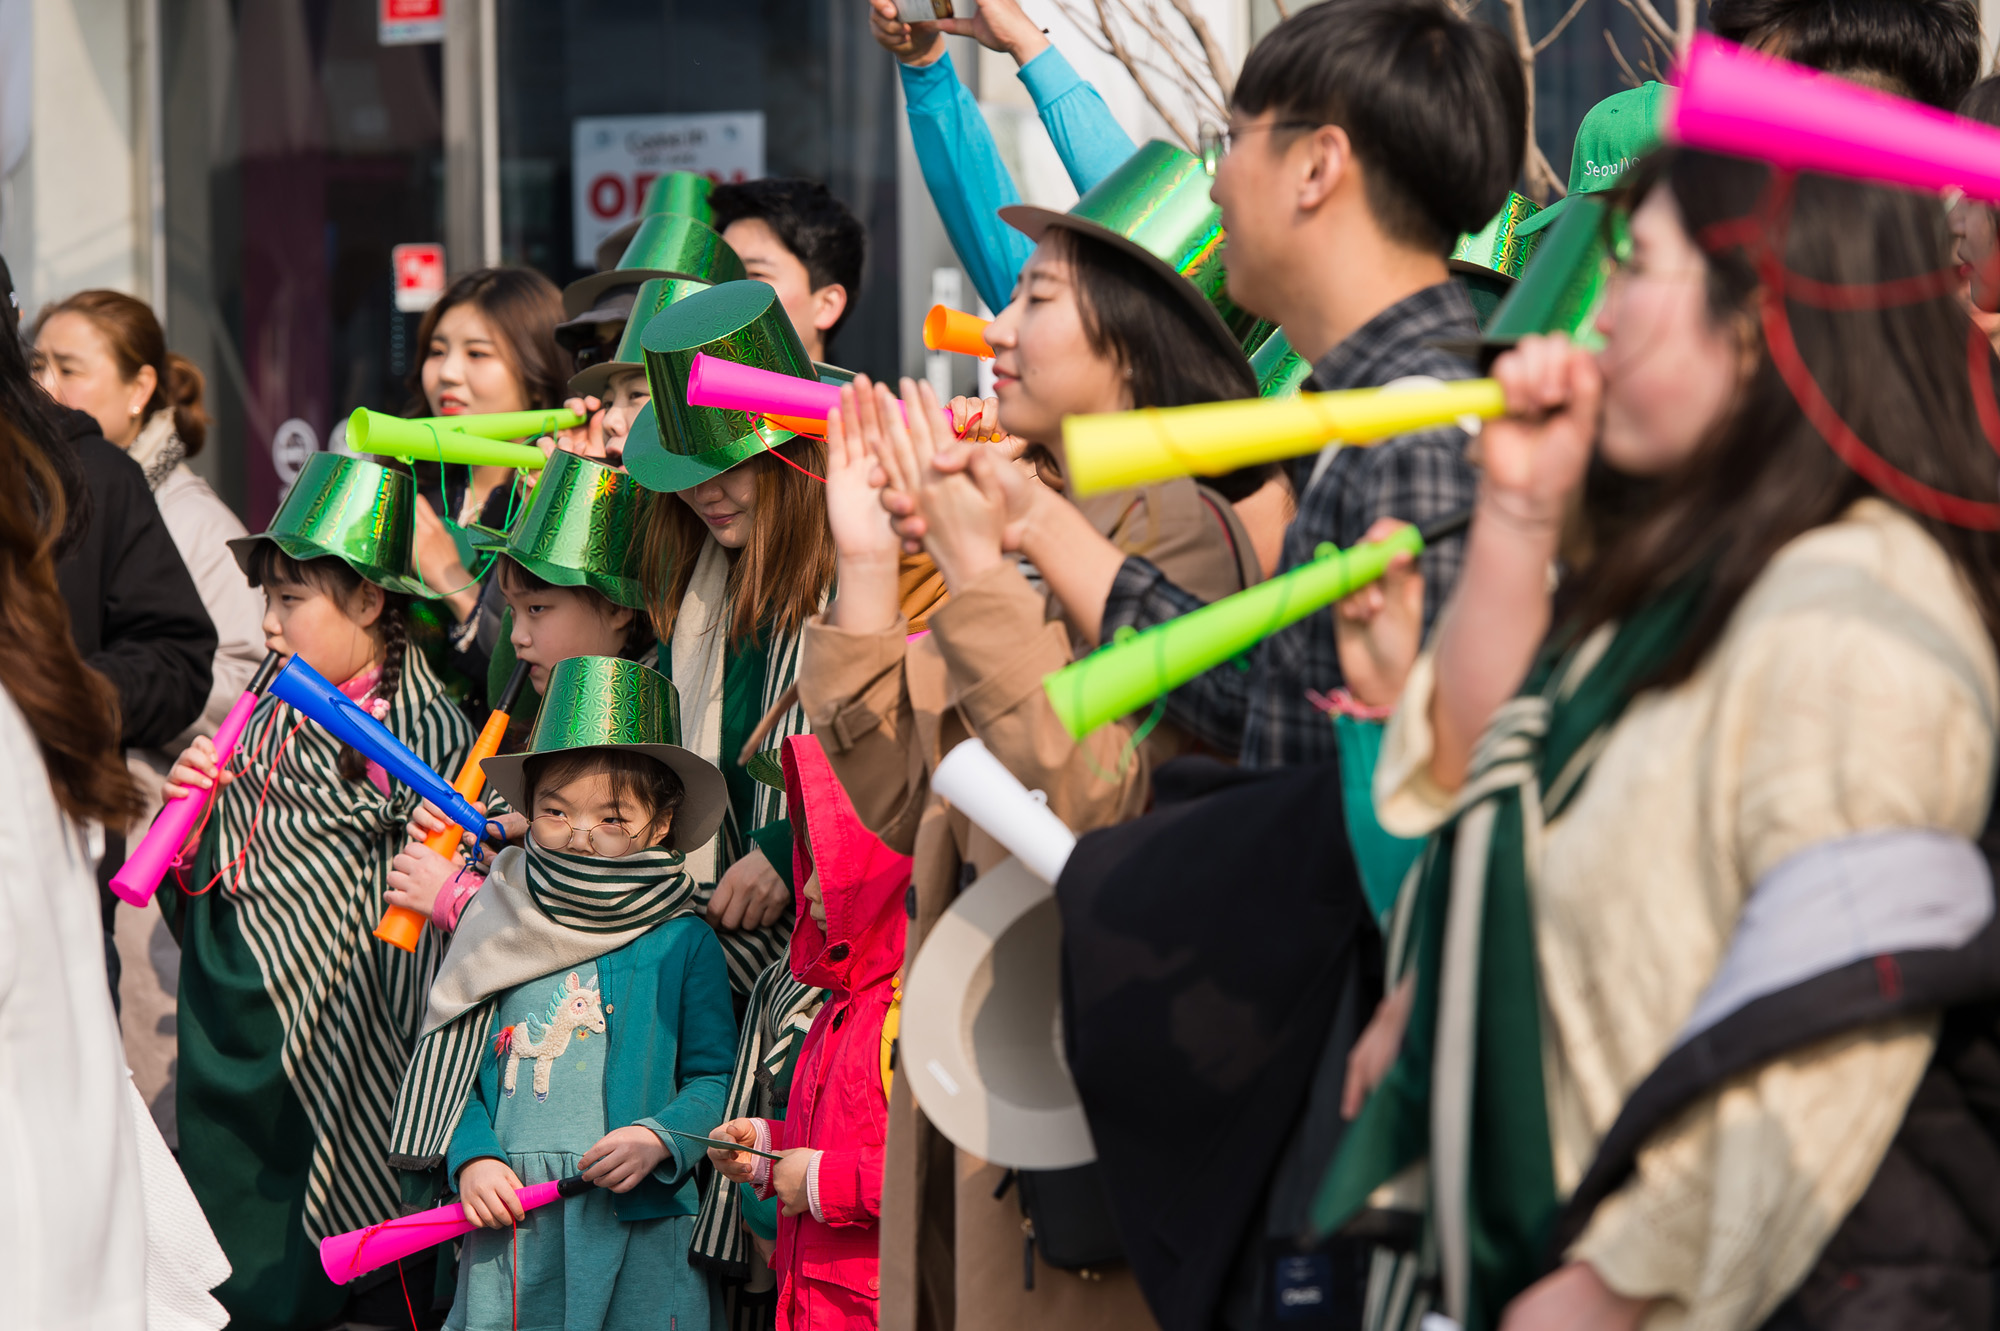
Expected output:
(617, 157)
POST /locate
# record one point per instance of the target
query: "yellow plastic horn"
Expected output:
(1115, 450)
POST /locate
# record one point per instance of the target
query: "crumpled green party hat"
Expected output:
(1155, 206)
(665, 245)
(675, 446)
(581, 528)
(607, 702)
(357, 511)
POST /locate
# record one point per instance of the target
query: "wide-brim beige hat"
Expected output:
(981, 1037)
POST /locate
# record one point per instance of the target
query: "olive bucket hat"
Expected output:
(607, 702)
(665, 245)
(673, 445)
(357, 511)
(580, 529)
(1155, 207)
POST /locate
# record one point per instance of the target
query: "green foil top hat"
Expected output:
(1564, 284)
(1615, 133)
(1489, 260)
(683, 192)
(607, 702)
(581, 529)
(1280, 370)
(359, 512)
(675, 446)
(654, 295)
(665, 245)
(1155, 206)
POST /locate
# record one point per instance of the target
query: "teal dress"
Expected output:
(579, 1266)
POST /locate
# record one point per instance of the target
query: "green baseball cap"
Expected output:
(1615, 133)
(607, 702)
(580, 529)
(665, 245)
(675, 446)
(357, 511)
(1155, 207)
(655, 294)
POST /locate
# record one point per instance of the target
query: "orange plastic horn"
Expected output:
(946, 329)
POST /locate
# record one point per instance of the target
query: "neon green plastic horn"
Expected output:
(1124, 448)
(507, 424)
(1139, 668)
(434, 440)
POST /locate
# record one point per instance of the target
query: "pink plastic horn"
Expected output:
(144, 869)
(730, 386)
(1733, 101)
(359, 1251)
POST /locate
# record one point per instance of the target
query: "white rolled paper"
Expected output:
(991, 796)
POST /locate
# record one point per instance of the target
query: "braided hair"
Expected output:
(333, 578)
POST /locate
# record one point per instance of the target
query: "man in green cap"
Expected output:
(1615, 133)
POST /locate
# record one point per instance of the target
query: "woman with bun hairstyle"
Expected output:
(104, 353)
(489, 344)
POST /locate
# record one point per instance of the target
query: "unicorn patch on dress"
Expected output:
(574, 1006)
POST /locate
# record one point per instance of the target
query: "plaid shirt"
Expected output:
(1262, 712)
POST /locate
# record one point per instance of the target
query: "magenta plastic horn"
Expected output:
(1733, 101)
(730, 386)
(146, 867)
(359, 1251)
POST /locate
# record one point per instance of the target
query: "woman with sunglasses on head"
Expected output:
(1708, 808)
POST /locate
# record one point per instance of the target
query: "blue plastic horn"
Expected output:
(306, 689)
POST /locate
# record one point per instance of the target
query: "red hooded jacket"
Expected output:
(827, 1267)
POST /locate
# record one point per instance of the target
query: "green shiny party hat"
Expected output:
(675, 446)
(665, 245)
(654, 295)
(1155, 206)
(359, 512)
(683, 192)
(581, 529)
(1562, 288)
(1489, 261)
(607, 702)
(1280, 371)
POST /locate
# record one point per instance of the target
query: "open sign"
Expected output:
(617, 157)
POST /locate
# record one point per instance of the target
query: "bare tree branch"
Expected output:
(1284, 10)
(1619, 56)
(1135, 68)
(1549, 37)
(1218, 59)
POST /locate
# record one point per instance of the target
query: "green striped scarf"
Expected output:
(1466, 1094)
(539, 913)
(315, 850)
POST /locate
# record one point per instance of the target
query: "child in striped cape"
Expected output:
(581, 1023)
(296, 1024)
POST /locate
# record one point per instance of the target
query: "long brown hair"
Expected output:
(136, 339)
(70, 708)
(1897, 375)
(779, 578)
(522, 308)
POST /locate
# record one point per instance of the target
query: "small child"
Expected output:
(848, 940)
(295, 1024)
(582, 1014)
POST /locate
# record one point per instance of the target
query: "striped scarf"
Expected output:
(306, 854)
(541, 912)
(1466, 1093)
(781, 1011)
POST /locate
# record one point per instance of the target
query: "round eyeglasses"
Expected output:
(552, 831)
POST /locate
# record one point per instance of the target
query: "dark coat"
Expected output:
(133, 609)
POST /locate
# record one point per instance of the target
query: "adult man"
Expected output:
(1926, 49)
(795, 235)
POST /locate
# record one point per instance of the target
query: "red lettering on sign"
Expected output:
(607, 196)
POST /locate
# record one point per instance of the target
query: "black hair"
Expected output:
(40, 417)
(1927, 49)
(333, 578)
(515, 577)
(816, 227)
(649, 785)
(1432, 102)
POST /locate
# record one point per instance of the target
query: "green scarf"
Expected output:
(1466, 1092)
(539, 913)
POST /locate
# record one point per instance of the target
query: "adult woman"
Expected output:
(83, 1179)
(1093, 326)
(1767, 704)
(103, 352)
(489, 345)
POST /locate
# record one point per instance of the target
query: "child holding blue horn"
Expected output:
(294, 1021)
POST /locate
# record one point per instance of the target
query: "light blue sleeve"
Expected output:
(1090, 142)
(967, 180)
